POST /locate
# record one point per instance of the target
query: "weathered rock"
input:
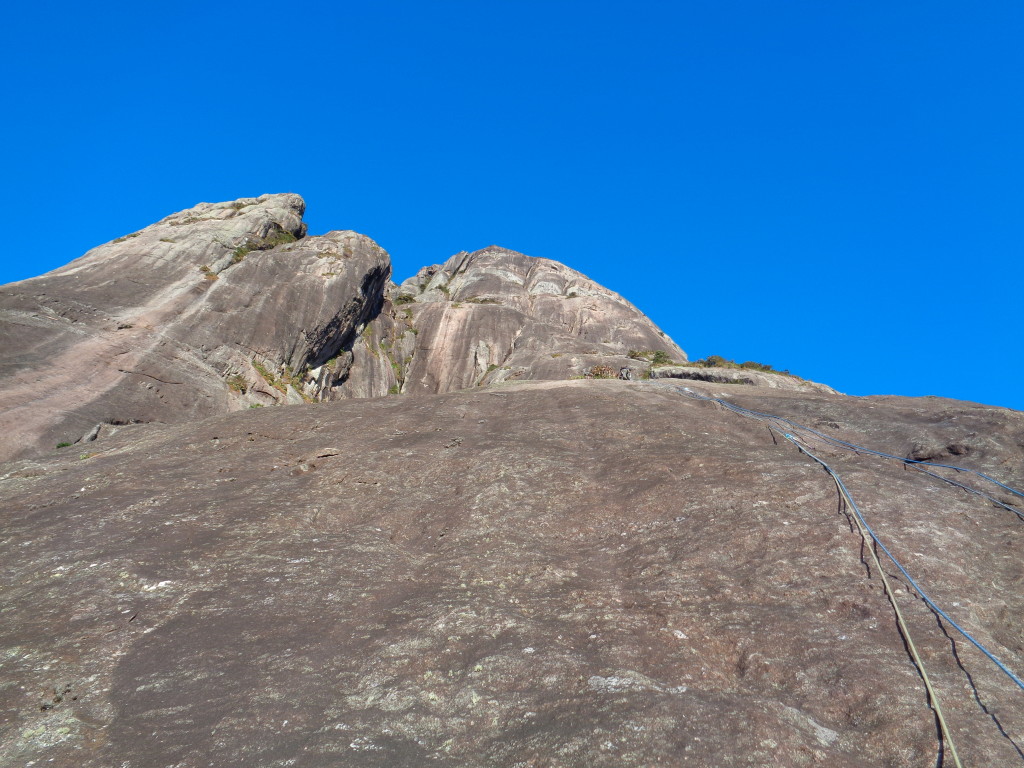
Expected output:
(176, 321)
(576, 573)
(229, 305)
(530, 573)
(497, 315)
(715, 375)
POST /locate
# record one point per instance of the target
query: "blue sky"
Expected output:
(834, 188)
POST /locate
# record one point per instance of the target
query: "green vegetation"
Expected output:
(478, 300)
(367, 342)
(404, 298)
(63, 445)
(393, 389)
(600, 372)
(281, 383)
(653, 356)
(256, 405)
(270, 378)
(717, 361)
(294, 378)
(280, 237)
(492, 367)
(127, 237)
(660, 357)
(237, 383)
(207, 272)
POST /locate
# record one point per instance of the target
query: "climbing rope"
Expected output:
(777, 425)
(924, 596)
(859, 450)
(862, 450)
(865, 532)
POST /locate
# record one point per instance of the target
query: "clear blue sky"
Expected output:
(833, 187)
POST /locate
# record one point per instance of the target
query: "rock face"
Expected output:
(497, 315)
(229, 306)
(211, 309)
(500, 315)
(574, 573)
(716, 375)
(514, 565)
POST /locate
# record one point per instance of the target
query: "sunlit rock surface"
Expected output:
(497, 315)
(595, 573)
(215, 308)
(227, 306)
(715, 375)
(457, 545)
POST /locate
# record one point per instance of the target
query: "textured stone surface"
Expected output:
(716, 375)
(164, 324)
(229, 305)
(497, 315)
(521, 573)
(577, 573)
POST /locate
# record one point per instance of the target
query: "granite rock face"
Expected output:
(212, 309)
(228, 306)
(517, 564)
(715, 375)
(496, 315)
(574, 573)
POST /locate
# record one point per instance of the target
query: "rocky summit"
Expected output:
(498, 519)
(229, 306)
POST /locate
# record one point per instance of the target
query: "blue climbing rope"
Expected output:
(859, 449)
(763, 417)
(852, 446)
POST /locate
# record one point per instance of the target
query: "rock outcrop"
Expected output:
(497, 315)
(215, 308)
(715, 375)
(596, 573)
(514, 565)
(228, 306)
